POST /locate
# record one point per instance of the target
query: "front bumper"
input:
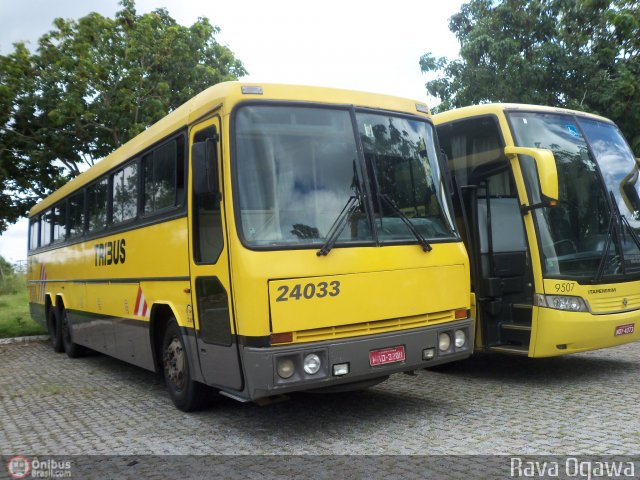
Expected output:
(560, 333)
(262, 379)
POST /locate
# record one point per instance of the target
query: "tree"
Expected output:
(578, 54)
(92, 85)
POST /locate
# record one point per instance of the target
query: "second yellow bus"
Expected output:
(549, 201)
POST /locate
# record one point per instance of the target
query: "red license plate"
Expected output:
(386, 355)
(625, 329)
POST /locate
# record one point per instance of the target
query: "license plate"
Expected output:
(625, 329)
(386, 355)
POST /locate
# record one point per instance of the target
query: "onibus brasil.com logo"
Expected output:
(23, 467)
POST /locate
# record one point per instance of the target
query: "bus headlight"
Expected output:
(444, 341)
(460, 338)
(311, 364)
(285, 367)
(561, 302)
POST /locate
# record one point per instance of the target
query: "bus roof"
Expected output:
(225, 96)
(495, 108)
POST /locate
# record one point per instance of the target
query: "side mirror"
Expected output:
(204, 161)
(546, 165)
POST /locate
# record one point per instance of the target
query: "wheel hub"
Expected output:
(174, 363)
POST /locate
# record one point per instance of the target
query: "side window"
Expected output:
(97, 205)
(33, 234)
(125, 193)
(45, 229)
(164, 176)
(208, 240)
(472, 147)
(59, 220)
(76, 214)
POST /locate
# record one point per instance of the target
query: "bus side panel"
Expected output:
(36, 292)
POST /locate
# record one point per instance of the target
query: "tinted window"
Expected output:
(76, 214)
(208, 240)
(164, 176)
(125, 193)
(97, 211)
(45, 229)
(59, 220)
(33, 234)
(473, 147)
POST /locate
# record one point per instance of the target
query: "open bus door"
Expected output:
(489, 206)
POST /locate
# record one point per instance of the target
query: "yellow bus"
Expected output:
(260, 239)
(548, 199)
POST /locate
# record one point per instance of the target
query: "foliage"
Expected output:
(15, 320)
(578, 54)
(10, 280)
(92, 85)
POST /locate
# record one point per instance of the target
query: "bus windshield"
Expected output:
(299, 167)
(581, 236)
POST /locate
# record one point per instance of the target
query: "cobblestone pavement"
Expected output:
(584, 404)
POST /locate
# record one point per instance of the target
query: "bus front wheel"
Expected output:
(187, 395)
(55, 332)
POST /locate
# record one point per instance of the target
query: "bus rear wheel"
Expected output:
(187, 395)
(55, 332)
(73, 350)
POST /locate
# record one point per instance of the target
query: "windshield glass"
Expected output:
(298, 168)
(296, 172)
(401, 157)
(574, 234)
(620, 172)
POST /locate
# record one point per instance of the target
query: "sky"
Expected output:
(370, 45)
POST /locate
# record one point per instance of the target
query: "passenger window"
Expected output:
(125, 193)
(97, 203)
(45, 229)
(76, 214)
(164, 177)
(33, 234)
(59, 220)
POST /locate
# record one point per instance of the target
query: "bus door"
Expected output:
(487, 203)
(504, 287)
(210, 279)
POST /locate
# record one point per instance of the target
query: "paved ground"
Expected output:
(585, 404)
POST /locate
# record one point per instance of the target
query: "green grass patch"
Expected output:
(15, 320)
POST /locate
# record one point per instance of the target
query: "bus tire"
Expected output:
(55, 332)
(187, 395)
(73, 350)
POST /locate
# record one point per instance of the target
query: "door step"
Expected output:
(516, 326)
(511, 349)
(513, 334)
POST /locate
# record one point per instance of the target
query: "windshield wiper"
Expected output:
(421, 240)
(632, 232)
(605, 251)
(338, 225)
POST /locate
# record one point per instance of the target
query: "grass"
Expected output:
(15, 320)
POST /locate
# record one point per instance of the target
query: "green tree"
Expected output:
(578, 54)
(92, 85)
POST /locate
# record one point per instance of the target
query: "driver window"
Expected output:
(208, 240)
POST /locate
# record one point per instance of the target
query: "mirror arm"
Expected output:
(527, 208)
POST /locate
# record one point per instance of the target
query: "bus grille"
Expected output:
(377, 326)
(615, 304)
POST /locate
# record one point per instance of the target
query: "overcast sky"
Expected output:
(365, 45)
